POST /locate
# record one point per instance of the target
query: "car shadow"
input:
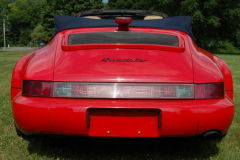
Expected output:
(122, 148)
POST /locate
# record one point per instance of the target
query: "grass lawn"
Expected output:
(42, 147)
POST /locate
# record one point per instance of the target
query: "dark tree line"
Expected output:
(25, 16)
(216, 23)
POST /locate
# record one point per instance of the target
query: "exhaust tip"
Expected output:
(211, 135)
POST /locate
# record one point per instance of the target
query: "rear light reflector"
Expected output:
(209, 91)
(37, 88)
(124, 90)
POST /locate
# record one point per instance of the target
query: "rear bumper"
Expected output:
(71, 116)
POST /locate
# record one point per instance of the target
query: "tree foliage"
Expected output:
(3, 13)
(121, 4)
(25, 15)
(216, 23)
(3, 8)
(38, 35)
(64, 7)
(20, 20)
(18, 16)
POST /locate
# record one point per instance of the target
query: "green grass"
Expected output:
(42, 147)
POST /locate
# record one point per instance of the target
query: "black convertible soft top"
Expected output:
(180, 23)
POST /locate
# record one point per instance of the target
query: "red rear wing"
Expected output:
(114, 44)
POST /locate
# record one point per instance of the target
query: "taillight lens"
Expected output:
(37, 88)
(209, 91)
(124, 90)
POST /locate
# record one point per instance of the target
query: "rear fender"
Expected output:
(205, 68)
(37, 65)
(227, 76)
(19, 70)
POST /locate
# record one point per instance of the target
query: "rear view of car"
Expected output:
(122, 78)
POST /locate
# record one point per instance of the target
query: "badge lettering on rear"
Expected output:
(123, 60)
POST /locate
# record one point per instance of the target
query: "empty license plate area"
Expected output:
(124, 122)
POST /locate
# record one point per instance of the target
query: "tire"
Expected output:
(222, 137)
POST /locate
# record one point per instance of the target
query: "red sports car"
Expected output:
(122, 73)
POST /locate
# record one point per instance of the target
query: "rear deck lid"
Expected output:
(123, 65)
(123, 57)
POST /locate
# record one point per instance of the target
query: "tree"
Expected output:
(97, 4)
(3, 8)
(3, 13)
(214, 21)
(20, 20)
(38, 35)
(35, 13)
(64, 7)
(19, 17)
(121, 4)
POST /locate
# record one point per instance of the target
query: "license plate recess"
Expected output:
(124, 122)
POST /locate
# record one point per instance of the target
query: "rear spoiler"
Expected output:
(122, 46)
(66, 47)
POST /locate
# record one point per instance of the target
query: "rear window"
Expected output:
(123, 37)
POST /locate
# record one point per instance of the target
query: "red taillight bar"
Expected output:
(209, 91)
(123, 90)
(37, 88)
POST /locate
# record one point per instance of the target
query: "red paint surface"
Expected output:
(123, 122)
(82, 64)
(69, 116)
(19, 69)
(215, 114)
(31, 114)
(229, 94)
(85, 66)
(205, 68)
(15, 92)
(227, 76)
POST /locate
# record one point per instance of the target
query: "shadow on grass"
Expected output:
(122, 148)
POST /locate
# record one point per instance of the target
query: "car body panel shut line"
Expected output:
(159, 119)
(88, 119)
